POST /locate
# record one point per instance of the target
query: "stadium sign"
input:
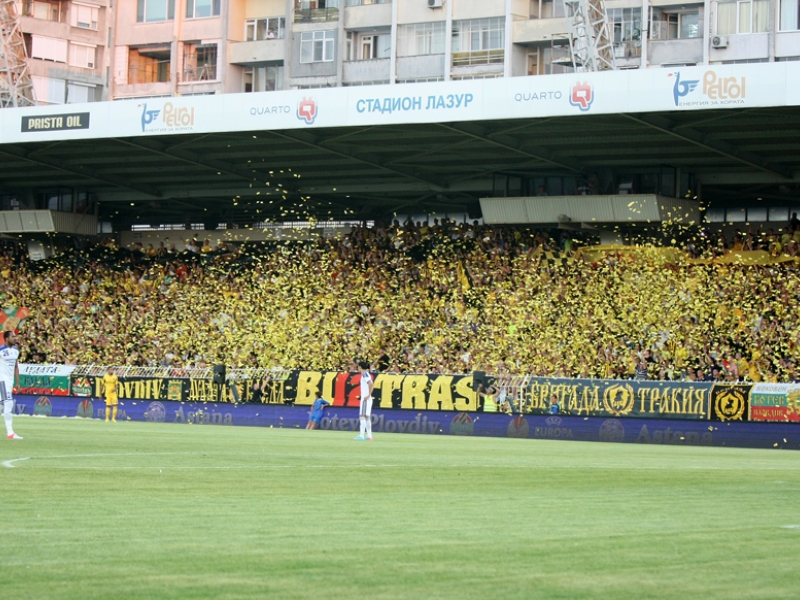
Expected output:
(627, 91)
(63, 122)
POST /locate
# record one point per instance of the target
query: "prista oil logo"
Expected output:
(518, 428)
(43, 406)
(462, 424)
(85, 409)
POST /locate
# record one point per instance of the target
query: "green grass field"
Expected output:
(140, 510)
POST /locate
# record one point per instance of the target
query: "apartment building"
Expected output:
(66, 42)
(327, 43)
(99, 49)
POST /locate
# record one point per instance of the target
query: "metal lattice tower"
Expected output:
(590, 40)
(16, 88)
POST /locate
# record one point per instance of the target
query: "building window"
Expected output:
(626, 24)
(421, 39)
(84, 16)
(317, 46)
(315, 11)
(549, 60)
(546, 9)
(81, 55)
(45, 48)
(49, 90)
(200, 62)
(78, 93)
(268, 28)
(200, 9)
(149, 64)
(263, 79)
(478, 41)
(363, 2)
(790, 15)
(315, 4)
(151, 11)
(742, 16)
(368, 46)
(674, 25)
(46, 11)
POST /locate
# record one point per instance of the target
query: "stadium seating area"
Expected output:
(442, 298)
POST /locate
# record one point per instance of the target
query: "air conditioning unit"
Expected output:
(719, 41)
(435, 3)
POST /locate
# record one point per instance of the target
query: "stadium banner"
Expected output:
(729, 402)
(705, 87)
(182, 389)
(52, 380)
(390, 390)
(620, 398)
(777, 402)
(345, 419)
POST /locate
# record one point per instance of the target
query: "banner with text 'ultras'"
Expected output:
(620, 398)
(410, 391)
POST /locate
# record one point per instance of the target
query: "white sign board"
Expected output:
(630, 91)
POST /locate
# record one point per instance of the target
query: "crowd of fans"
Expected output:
(419, 298)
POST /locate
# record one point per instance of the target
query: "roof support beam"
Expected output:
(709, 143)
(79, 170)
(513, 144)
(319, 143)
(189, 157)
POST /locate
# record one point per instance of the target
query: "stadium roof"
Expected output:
(378, 167)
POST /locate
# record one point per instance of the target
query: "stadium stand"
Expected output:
(439, 299)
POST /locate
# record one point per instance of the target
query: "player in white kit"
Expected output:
(9, 376)
(365, 414)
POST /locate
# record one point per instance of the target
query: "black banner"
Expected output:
(619, 398)
(730, 402)
(438, 392)
(184, 389)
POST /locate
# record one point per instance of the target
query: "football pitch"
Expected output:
(152, 510)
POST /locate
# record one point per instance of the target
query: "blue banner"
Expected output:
(552, 427)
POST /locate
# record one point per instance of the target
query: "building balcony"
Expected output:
(675, 52)
(743, 46)
(363, 71)
(368, 16)
(428, 66)
(264, 51)
(316, 15)
(478, 57)
(787, 43)
(538, 30)
(143, 90)
(52, 29)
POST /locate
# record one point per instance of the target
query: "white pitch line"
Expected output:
(39, 465)
(9, 464)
